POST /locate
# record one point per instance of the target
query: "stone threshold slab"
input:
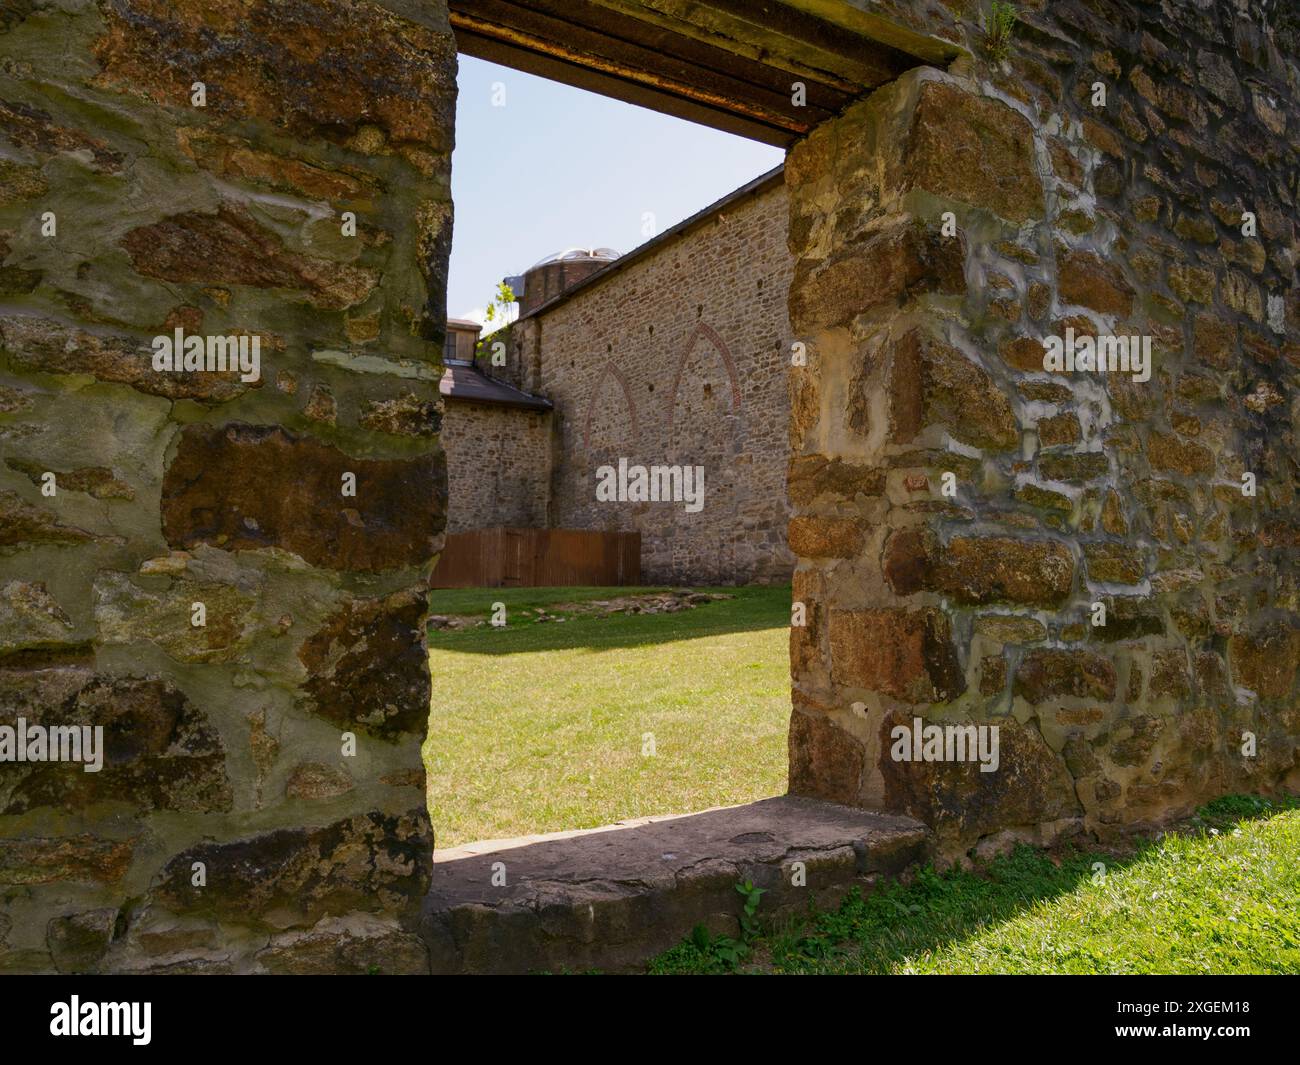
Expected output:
(610, 898)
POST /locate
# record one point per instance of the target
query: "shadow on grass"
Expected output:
(750, 609)
(1231, 810)
(934, 911)
(877, 934)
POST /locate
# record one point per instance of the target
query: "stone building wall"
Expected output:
(228, 829)
(498, 466)
(1069, 489)
(232, 826)
(678, 359)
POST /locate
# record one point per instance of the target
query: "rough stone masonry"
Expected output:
(230, 168)
(963, 517)
(228, 575)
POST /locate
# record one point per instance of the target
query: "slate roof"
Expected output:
(462, 381)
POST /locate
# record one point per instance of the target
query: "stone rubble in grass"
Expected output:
(652, 603)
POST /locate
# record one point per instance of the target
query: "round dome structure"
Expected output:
(575, 254)
(555, 274)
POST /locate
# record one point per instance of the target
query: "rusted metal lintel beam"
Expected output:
(593, 26)
(737, 107)
(665, 59)
(615, 88)
(801, 45)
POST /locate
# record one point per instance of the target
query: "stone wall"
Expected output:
(498, 466)
(679, 358)
(976, 606)
(261, 803)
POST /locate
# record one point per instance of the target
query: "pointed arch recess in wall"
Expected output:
(610, 371)
(703, 330)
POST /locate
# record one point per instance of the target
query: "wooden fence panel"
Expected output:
(533, 558)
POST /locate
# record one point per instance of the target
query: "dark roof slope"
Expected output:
(462, 381)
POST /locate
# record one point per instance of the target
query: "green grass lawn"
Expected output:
(540, 727)
(1222, 896)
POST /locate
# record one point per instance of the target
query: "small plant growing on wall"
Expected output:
(1001, 23)
(723, 952)
(499, 308)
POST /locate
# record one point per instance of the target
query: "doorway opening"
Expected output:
(609, 620)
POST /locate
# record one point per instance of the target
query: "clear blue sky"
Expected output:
(557, 167)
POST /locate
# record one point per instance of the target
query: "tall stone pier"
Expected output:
(223, 570)
(1100, 564)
